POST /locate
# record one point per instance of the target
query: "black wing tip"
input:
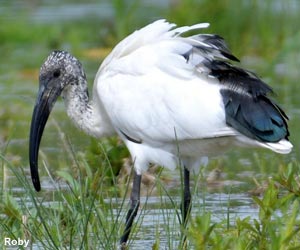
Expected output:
(258, 118)
(219, 43)
(230, 56)
(138, 141)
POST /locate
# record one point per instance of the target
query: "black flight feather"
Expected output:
(248, 108)
(218, 43)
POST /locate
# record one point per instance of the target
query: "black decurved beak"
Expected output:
(47, 95)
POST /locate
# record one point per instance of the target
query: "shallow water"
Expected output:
(154, 220)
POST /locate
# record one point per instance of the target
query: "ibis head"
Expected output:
(59, 71)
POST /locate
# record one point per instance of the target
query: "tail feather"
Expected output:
(281, 147)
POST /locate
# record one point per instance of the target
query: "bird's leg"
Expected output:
(186, 203)
(132, 212)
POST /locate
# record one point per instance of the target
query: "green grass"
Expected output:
(82, 214)
(277, 226)
(74, 217)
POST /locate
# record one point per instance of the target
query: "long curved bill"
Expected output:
(43, 106)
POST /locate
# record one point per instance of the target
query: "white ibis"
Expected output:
(172, 99)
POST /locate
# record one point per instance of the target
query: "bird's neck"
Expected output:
(88, 115)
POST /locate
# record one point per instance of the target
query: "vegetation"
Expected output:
(83, 202)
(82, 212)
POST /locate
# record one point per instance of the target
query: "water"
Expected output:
(154, 219)
(18, 84)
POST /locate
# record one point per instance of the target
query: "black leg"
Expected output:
(132, 212)
(186, 203)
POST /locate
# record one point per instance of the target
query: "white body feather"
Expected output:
(148, 93)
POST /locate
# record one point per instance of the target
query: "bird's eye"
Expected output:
(56, 73)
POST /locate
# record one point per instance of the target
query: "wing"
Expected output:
(159, 86)
(248, 108)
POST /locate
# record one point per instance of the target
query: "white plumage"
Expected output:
(172, 99)
(153, 95)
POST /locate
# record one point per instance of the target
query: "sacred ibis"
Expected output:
(172, 99)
